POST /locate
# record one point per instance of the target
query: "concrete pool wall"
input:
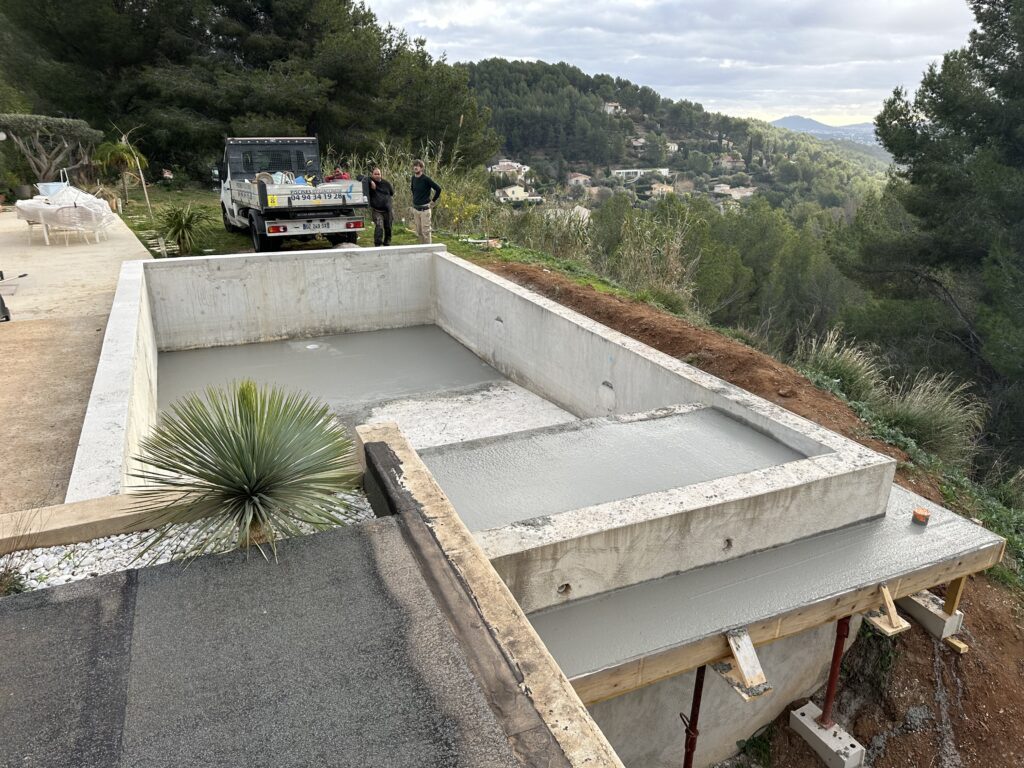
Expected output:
(576, 363)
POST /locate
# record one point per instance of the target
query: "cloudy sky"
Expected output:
(834, 61)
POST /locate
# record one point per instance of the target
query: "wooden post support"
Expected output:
(887, 620)
(743, 671)
(954, 592)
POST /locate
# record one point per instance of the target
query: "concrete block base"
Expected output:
(926, 609)
(834, 746)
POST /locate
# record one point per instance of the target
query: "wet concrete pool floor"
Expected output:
(436, 389)
(498, 481)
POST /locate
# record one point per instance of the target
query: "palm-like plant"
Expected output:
(185, 225)
(245, 465)
(121, 157)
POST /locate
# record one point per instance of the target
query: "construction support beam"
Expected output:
(691, 722)
(886, 619)
(743, 671)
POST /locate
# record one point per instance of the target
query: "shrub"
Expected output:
(185, 224)
(245, 465)
(938, 413)
(855, 371)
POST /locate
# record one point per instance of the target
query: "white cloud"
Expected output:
(824, 59)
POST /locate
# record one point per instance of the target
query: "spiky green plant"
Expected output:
(939, 414)
(185, 224)
(244, 465)
(856, 372)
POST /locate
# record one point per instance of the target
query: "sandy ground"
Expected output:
(49, 351)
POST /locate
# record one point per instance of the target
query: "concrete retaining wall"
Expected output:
(215, 301)
(122, 404)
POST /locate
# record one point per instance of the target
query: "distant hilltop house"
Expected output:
(671, 146)
(730, 163)
(509, 167)
(632, 174)
(735, 193)
(613, 108)
(662, 190)
(638, 142)
(579, 180)
(517, 193)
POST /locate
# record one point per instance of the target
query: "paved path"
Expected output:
(48, 353)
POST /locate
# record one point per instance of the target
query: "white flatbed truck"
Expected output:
(263, 190)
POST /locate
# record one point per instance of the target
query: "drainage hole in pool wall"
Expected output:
(499, 320)
(564, 589)
(727, 545)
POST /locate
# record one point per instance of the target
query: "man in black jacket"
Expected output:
(382, 195)
(422, 201)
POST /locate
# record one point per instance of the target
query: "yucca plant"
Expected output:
(244, 465)
(185, 225)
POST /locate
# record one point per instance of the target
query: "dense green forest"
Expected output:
(920, 264)
(185, 73)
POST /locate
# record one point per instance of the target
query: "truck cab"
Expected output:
(271, 188)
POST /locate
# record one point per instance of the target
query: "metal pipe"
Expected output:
(691, 721)
(842, 632)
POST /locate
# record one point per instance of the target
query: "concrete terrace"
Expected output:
(50, 351)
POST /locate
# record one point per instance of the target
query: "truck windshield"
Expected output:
(249, 159)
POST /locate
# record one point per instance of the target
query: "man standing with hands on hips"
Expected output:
(422, 201)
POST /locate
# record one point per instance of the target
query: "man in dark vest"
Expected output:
(422, 201)
(382, 196)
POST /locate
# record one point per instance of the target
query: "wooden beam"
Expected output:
(886, 620)
(959, 646)
(637, 673)
(954, 592)
(743, 671)
(745, 658)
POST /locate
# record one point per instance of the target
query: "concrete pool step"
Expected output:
(536, 473)
(580, 508)
(599, 642)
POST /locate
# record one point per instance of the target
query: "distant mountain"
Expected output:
(861, 133)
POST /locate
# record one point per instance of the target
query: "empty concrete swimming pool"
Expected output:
(599, 477)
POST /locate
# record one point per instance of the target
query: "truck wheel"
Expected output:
(260, 242)
(228, 226)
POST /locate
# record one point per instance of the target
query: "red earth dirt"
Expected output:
(964, 711)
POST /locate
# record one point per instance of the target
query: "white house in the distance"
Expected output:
(509, 167)
(632, 174)
(612, 108)
(516, 194)
(671, 146)
(579, 180)
(638, 143)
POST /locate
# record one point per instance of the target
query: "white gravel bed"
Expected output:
(50, 566)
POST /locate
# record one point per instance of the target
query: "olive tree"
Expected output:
(50, 143)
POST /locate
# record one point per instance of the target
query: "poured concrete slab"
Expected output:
(600, 632)
(344, 369)
(499, 481)
(464, 415)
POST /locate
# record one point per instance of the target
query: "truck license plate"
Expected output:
(316, 197)
(308, 226)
